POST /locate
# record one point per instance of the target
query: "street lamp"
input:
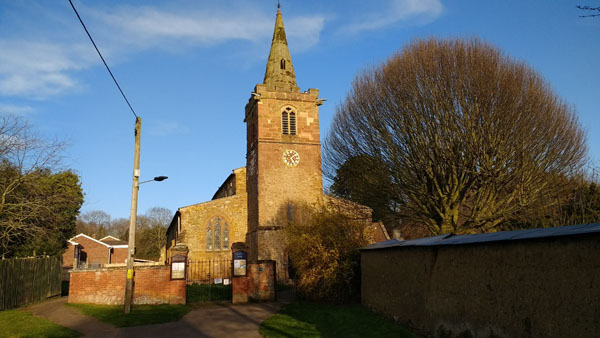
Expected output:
(133, 215)
(157, 178)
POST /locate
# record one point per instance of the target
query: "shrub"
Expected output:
(324, 245)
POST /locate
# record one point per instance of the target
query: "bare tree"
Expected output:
(95, 223)
(26, 201)
(589, 8)
(466, 135)
(156, 234)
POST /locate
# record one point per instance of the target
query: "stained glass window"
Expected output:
(217, 230)
(209, 237)
(217, 234)
(225, 235)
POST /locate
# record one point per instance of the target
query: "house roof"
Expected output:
(452, 239)
(90, 238)
(113, 241)
(108, 241)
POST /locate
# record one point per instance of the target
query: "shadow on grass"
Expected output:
(139, 315)
(202, 293)
(321, 320)
(17, 323)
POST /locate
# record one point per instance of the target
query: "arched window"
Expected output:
(292, 123)
(225, 236)
(284, 123)
(217, 234)
(209, 237)
(217, 230)
(288, 121)
(282, 64)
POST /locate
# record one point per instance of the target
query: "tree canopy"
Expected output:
(463, 136)
(38, 201)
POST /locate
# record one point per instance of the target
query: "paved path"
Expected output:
(207, 321)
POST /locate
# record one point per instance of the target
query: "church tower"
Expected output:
(283, 157)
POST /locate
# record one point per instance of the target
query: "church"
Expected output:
(283, 168)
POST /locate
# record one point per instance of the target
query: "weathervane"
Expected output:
(278, 5)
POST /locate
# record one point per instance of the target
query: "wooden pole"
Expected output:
(133, 217)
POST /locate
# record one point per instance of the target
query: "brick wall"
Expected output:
(152, 285)
(258, 285)
(119, 255)
(68, 256)
(528, 288)
(92, 251)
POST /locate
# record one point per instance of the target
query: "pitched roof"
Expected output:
(451, 239)
(90, 238)
(113, 241)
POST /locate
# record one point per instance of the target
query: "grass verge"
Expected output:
(139, 315)
(16, 323)
(319, 320)
(200, 293)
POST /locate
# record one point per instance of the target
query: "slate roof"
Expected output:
(452, 239)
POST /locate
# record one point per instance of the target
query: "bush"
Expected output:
(324, 248)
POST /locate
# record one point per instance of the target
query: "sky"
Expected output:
(188, 68)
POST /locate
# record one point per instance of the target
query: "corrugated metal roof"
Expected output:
(451, 239)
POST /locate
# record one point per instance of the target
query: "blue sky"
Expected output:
(188, 68)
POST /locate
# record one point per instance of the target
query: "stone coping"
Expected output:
(122, 267)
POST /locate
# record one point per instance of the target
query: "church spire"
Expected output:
(280, 72)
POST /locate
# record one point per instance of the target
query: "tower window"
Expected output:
(282, 63)
(285, 123)
(288, 122)
(292, 123)
(217, 234)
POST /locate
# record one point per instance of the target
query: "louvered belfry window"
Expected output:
(292, 123)
(285, 123)
(288, 122)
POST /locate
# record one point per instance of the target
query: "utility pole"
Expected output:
(133, 216)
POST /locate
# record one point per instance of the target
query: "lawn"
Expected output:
(200, 293)
(318, 320)
(16, 323)
(139, 315)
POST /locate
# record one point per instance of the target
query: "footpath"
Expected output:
(212, 320)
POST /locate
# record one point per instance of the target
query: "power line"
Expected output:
(105, 64)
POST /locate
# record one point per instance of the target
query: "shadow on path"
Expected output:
(223, 320)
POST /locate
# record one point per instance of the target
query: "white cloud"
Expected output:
(166, 128)
(7, 109)
(152, 27)
(398, 11)
(42, 67)
(304, 31)
(39, 69)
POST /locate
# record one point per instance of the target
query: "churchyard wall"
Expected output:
(153, 285)
(545, 287)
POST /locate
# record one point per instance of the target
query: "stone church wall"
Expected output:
(195, 218)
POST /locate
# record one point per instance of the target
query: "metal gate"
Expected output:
(214, 271)
(209, 280)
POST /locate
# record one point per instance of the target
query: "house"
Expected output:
(88, 251)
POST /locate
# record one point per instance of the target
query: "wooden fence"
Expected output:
(27, 280)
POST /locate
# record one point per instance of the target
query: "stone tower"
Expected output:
(283, 157)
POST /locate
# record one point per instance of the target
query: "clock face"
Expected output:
(291, 158)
